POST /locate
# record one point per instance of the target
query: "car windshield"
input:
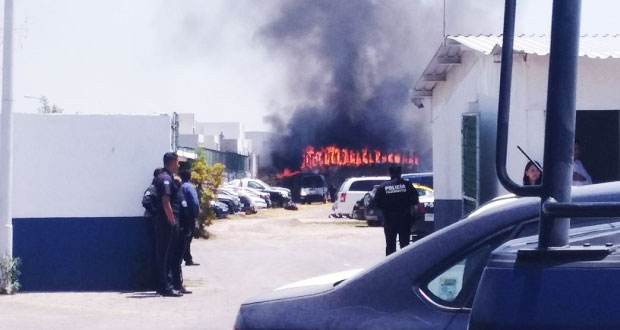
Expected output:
(423, 192)
(233, 183)
(312, 182)
(365, 185)
(266, 186)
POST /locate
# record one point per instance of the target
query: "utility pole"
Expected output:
(6, 136)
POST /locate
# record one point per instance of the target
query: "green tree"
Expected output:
(207, 179)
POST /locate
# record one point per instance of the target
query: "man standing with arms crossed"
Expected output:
(397, 199)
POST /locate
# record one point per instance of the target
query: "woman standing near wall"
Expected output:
(532, 175)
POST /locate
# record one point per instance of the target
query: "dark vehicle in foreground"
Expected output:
(432, 283)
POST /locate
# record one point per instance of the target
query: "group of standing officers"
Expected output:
(177, 207)
(174, 221)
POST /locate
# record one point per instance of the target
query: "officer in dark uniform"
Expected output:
(397, 199)
(167, 226)
(179, 243)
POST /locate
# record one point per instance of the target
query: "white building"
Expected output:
(261, 146)
(460, 88)
(222, 136)
(78, 182)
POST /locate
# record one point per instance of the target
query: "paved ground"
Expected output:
(246, 256)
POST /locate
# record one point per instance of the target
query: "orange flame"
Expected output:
(343, 157)
(286, 173)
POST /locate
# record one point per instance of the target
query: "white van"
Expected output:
(352, 190)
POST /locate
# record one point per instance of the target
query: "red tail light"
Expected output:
(420, 208)
(343, 197)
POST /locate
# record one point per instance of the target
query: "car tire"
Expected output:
(373, 223)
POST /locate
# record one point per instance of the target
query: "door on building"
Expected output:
(598, 133)
(470, 151)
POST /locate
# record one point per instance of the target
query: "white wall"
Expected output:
(85, 165)
(477, 80)
(450, 100)
(596, 90)
(230, 130)
(187, 123)
(211, 142)
(190, 140)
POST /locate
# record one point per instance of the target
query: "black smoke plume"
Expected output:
(351, 66)
(348, 72)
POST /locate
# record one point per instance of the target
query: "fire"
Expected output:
(332, 156)
(286, 173)
(344, 157)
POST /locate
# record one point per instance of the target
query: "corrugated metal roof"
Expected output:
(449, 54)
(593, 46)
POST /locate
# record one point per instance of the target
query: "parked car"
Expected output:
(264, 195)
(307, 188)
(425, 178)
(280, 197)
(431, 284)
(220, 209)
(424, 223)
(247, 201)
(230, 198)
(255, 199)
(352, 190)
(313, 188)
(247, 205)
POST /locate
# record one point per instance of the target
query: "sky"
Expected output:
(157, 56)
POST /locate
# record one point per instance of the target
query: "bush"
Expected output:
(207, 179)
(8, 275)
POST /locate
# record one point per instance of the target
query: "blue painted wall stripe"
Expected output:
(84, 254)
(447, 212)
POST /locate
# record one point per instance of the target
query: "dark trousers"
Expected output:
(188, 241)
(396, 225)
(178, 250)
(164, 236)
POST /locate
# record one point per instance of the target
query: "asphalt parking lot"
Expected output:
(245, 257)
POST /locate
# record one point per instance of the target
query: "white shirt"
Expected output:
(578, 168)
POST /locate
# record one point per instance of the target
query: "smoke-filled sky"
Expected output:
(235, 60)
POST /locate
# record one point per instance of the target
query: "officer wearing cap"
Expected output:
(166, 225)
(397, 199)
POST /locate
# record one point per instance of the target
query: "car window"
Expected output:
(312, 182)
(426, 180)
(364, 185)
(455, 285)
(255, 185)
(424, 192)
(263, 184)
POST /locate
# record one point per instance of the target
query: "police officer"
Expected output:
(397, 199)
(189, 217)
(166, 225)
(179, 241)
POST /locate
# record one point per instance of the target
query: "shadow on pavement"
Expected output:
(141, 295)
